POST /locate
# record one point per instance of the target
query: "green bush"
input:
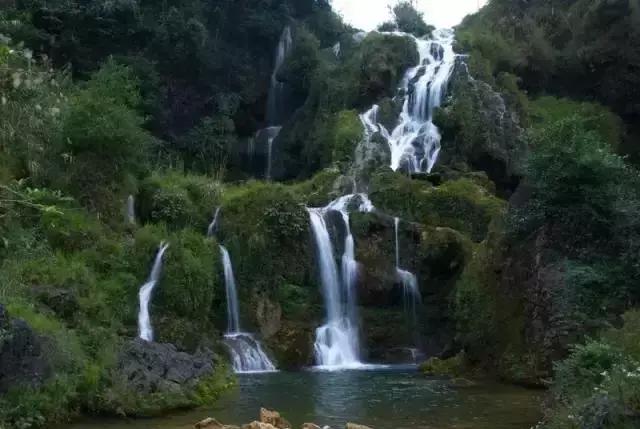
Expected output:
(409, 20)
(548, 110)
(598, 385)
(178, 200)
(104, 139)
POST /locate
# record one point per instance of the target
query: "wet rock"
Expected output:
(273, 418)
(209, 423)
(63, 302)
(482, 129)
(310, 426)
(160, 368)
(269, 316)
(355, 426)
(24, 354)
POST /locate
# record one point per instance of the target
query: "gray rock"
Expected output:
(23, 354)
(161, 368)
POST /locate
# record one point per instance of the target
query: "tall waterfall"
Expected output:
(337, 344)
(411, 292)
(277, 92)
(145, 330)
(247, 354)
(276, 101)
(415, 141)
(233, 313)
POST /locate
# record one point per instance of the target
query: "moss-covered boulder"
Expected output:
(152, 378)
(463, 204)
(451, 367)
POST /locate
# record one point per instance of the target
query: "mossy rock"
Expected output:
(451, 367)
(460, 204)
(482, 129)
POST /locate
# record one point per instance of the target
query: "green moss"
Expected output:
(458, 204)
(346, 134)
(318, 190)
(451, 367)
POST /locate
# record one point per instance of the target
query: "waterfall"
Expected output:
(247, 355)
(267, 136)
(336, 49)
(415, 141)
(233, 318)
(410, 291)
(131, 210)
(337, 344)
(276, 101)
(211, 229)
(277, 96)
(145, 329)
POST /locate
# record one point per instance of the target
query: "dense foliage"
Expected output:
(525, 238)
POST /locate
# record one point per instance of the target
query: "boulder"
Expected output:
(160, 368)
(24, 355)
(355, 426)
(63, 302)
(268, 315)
(209, 423)
(273, 418)
(310, 426)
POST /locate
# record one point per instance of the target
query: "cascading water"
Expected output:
(415, 141)
(276, 101)
(411, 292)
(211, 229)
(337, 344)
(131, 210)
(276, 108)
(247, 354)
(145, 330)
(267, 136)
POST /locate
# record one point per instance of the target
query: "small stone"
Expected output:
(209, 423)
(310, 426)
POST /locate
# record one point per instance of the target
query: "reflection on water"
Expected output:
(383, 399)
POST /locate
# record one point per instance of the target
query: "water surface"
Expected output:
(395, 398)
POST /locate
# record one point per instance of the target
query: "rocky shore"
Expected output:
(268, 419)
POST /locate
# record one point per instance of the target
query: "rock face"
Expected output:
(160, 368)
(481, 130)
(23, 354)
(540, 278)
(436, 256)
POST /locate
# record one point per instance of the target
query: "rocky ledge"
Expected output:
(268, 420)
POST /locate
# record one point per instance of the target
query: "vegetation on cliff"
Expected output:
(524, 239)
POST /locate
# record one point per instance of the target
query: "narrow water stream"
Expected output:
(398, 398)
